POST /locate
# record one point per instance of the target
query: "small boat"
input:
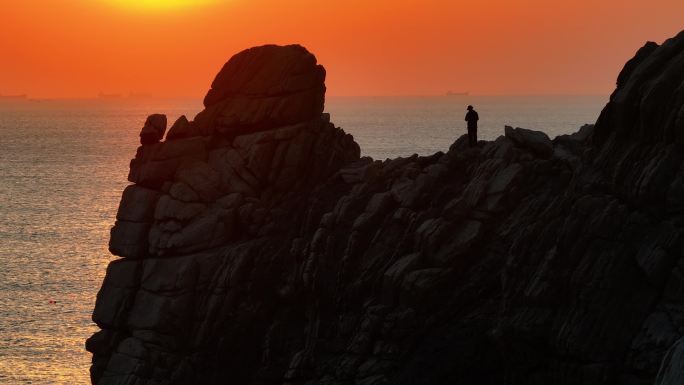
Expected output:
(454, 93)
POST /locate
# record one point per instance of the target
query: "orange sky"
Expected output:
(76, 48)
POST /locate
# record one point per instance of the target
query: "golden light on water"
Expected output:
(159, 5)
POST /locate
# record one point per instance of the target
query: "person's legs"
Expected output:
(471, 136)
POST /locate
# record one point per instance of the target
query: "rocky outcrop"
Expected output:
(153, 130)
(261, 88)
(258, 247)
(537, 141)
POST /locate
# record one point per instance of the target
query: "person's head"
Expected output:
(470, 108)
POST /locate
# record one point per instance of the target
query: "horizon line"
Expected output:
(113, 97)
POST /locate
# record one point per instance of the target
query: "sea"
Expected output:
(63, 166)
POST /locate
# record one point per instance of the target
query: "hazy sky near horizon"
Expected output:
(79, 48)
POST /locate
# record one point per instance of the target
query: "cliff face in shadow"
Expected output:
(259, 248)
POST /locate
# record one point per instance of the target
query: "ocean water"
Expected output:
(63, 166)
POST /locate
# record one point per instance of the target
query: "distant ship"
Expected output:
(453, 93)
(9, 98)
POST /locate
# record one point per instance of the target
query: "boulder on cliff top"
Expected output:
(181, 129)
(269, 70)
(262, 88)
(537, 141)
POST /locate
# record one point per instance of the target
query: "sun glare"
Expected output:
(159, 5)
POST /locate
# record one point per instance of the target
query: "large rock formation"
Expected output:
(258, 248)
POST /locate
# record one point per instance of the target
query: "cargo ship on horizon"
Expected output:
(13, 97)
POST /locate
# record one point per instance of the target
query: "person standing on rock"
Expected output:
(472, 117)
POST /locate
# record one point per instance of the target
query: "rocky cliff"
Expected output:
(257, 247)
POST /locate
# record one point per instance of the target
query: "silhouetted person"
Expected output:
(472, 117)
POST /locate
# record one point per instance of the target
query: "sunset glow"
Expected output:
(158, 5)
(79, 48)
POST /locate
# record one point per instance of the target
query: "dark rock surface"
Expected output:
(259, 248)
(264, 87)
(153, 130)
